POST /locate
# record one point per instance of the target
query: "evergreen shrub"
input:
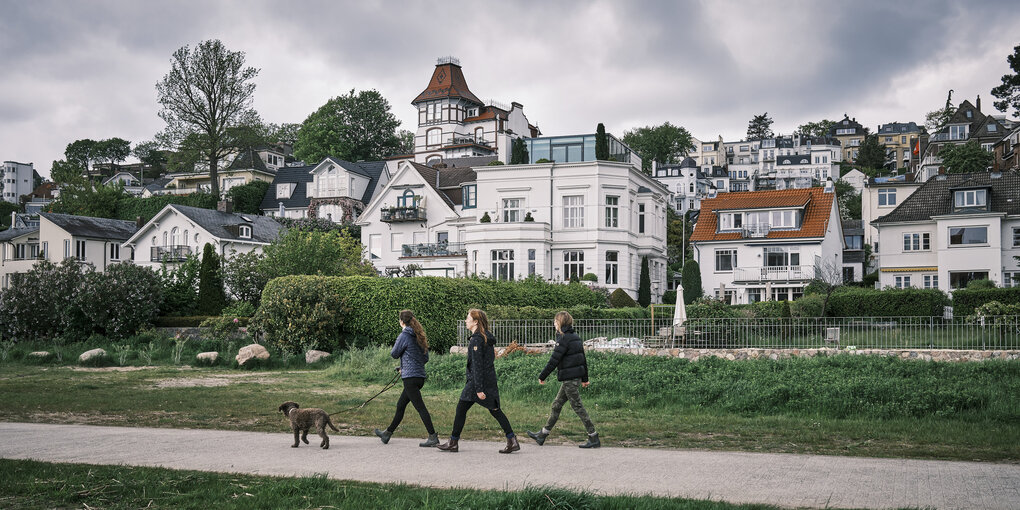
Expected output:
(620, 299)
(860, 302)
(965, 301)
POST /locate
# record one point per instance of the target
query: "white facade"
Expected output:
(684, 183)
(588, 217)
(878, 198)
(18, 179)
(744, 260)
(855, 178)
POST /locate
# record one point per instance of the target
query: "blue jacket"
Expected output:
(412, 357)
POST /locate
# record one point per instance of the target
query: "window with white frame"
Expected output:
(283, 190)
(512, 210)
(573, 211)
(784, 219)
(79, 249)
(1011, 278)
(503, 264)
(612, 212)
(641, 218)
(962, 236)
(433, 136)
(931, 281)
(886, 197)
(730, 221)
(573, 264)
(1016, 237)
(914, 241)
(433, 112)
(725, 260)
(375, 246)
(396, 241)
(470, 196)
(531, 262)
(781, 256)
(903, 282)
(970, 198)
(479, 134)
(244, 231)
(114, 251)
(958, 132)
(612, 268)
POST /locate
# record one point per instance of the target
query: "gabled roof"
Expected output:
(264, 229)
(447, 81)
(960, 117)
(795, 159)
(488, 112)
(158, 184)
(817, 212)
(248, 159)
(297, 175)
(935, 197)
(374, 170)
(446, 181)
(87, 226)
(897, 128)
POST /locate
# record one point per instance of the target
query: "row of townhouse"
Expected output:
(968, 124)
(172, 235)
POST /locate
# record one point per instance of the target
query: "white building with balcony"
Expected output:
(333, 189)
(18, 179)
(954, 229)
(880, 196)
(768, 245)
(555, 220)
(686, 184)
(454, 123)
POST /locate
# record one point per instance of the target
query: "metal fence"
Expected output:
(989, 333)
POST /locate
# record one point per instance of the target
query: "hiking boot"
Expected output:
(433, 440)
(384, 435)
(449, 446)
(593, 442)
(511, 445)
(539, 438)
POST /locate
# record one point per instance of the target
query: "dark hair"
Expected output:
(408, 318)
(483, 322)
(563, 319)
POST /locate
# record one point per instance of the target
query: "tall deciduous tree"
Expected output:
(817, 129)
(1008, 92)
(406, 142)
(965, 158)
(113, 150)
(871, 155)
(352, 127)
(82, 154)
(519, 152)
(664, 144)
(207, 92)
(64, 172)
(601, 143)
(760, 127)
(849, 201)
(151, 154)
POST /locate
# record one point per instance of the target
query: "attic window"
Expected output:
(970, 198)
(970, 114)
(244, 231)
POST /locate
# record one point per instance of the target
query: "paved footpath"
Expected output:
(779, 479)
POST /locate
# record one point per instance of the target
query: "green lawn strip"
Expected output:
(619, 402)
(30, 485)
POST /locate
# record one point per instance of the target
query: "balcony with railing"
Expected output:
(774, 273)
(948, 137)
(174, 253)
(755, 230)
(399, 214)
(433, 250)
(459, 139)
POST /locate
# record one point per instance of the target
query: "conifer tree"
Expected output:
(644, 293)
(601, 143)
(211, 297)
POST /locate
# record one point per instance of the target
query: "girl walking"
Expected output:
(572, 370)
(412, 348)
(480, 387)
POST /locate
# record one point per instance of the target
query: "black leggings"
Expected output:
(462, 409)
(412, 394)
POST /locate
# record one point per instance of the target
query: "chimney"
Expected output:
(978, 103)
(226, 206)
(138, 222)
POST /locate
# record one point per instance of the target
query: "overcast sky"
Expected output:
(88, 69)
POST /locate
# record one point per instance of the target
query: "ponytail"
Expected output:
(483, 322)
(408, 318)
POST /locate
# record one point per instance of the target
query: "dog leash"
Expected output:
(392, 383)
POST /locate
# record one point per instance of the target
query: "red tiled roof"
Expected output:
(817, 210)
(447, 81)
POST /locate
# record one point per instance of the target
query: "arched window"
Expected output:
(175, 237)
(184, 238)
(155, 241)
(165, 238)
(433, 136)
(406, 200)
(432, 160)
(479, 134)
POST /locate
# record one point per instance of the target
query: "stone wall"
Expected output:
(738, 354)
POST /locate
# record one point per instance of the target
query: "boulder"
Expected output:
(94, 353)
(313, 355)
(39, 354)
(251, 351)
(208, 357)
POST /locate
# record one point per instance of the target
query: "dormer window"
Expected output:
(284, 190)
(244, 231)
(971, 198)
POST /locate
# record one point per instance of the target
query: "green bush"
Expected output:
(861, 302)
(708, 308)
(180, 287)
(996, 309)
(485, 218)
(984, 283)
(620, 299)
(358, 311)
(211, 296)
(247, 198)
(691, 279)
(965, 301)
(129, 207)
(769, 309)
(589, 277)
(505, 312)
(222, 328)
(239, 309)
(669, 297)
(173, 321)
(808, 306)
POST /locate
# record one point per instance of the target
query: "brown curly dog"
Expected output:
(303, 419)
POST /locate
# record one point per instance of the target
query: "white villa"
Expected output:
(954, 229)
(333, 189)
(555, 220)
(768, 245)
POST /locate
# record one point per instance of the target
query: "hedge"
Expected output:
(503, 312)
(192, 321)
(358, 311)
(859, 302)
(966, 300)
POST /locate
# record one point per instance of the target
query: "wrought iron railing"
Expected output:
(174, 253)
(434, 250)
(398, 214)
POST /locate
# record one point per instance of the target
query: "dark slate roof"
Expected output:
(642, 189)
(846, 123)
(248, 159)
(893, 128)
(688, 162)
(349, 166)
(158, 184)
(446, 181)
(935, 197)
(264, 228)
(87, 226)
(784, 142)
(718, 171)
(11, 233)
(299, 175)
(374, 170)
(795, 159)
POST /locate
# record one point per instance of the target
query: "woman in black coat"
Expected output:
(481, 387)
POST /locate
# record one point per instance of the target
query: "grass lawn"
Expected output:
(847, 405)
(30, 484)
